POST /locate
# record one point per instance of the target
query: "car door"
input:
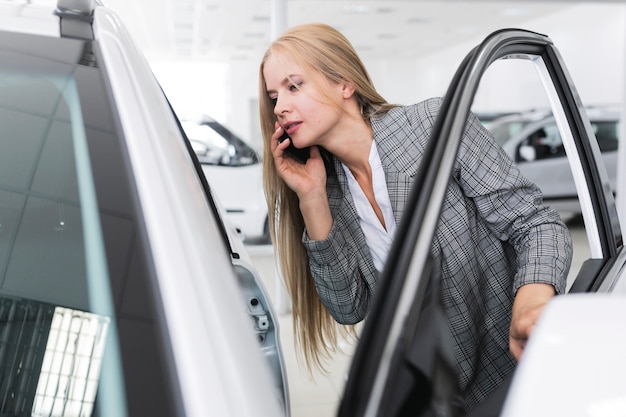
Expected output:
(387, 376)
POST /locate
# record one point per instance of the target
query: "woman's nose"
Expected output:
(281, 105)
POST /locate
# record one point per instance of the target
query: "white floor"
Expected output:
(317, 395)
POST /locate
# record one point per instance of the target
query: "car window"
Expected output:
(214, 144)
(607, 134)
(80, 332)
(546, 142)
(543, 143)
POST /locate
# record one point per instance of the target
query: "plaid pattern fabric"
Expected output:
(494, 235)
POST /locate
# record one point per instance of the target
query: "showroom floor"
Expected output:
(317, 395)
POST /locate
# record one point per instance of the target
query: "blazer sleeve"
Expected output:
(341, 265)
(512, 208)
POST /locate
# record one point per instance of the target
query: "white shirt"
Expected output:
(378, 239)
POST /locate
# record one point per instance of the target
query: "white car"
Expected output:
(234, 171)
(123, 290)
(533, 140)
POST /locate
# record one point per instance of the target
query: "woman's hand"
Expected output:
(303, 179)
(308, 181)
(527, 306)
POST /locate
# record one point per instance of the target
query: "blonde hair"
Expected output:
(322, 49)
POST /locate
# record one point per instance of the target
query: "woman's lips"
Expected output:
(291, 127)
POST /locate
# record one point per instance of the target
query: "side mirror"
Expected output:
(527, 153)
(228, 156)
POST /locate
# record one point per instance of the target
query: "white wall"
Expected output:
(196, 87)
(590, 37)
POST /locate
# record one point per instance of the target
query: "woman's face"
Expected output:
(308, 115)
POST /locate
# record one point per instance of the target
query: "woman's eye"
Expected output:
(295, 86)
(273, 101)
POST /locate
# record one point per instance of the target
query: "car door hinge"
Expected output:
(261, 320)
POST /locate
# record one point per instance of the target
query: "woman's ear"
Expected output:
(347, 89)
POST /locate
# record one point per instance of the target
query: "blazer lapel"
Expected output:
(400, 153)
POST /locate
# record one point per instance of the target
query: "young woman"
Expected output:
(502, 253)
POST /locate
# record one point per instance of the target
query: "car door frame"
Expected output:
(387, 332)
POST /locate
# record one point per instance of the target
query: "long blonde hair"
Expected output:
(321, 48)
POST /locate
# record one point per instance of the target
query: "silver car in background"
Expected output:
(533, 140)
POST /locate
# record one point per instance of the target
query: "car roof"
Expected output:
(535, 115)
(29, 18)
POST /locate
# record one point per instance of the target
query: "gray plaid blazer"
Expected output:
(494, 235)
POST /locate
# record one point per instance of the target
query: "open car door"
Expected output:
(403, 364)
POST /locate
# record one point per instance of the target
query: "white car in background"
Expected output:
(234, 171)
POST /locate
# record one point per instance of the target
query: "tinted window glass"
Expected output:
(214, 144)
(606, 134)
(77, 317)
(546, 142)
(543, 143)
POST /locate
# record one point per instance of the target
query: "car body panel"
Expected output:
(184, 209)
(174, 215)
(32, 19)
(241, 190)
(574, 364)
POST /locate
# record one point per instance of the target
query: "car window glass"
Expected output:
(79, 333)
(607, 134)
(544, 143)
(50, 310)
(216, 145)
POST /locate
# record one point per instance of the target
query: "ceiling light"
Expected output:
(257, 35)
(516, 12)
(356, 9)
(182, 6)
(418, 20)
(183, 26)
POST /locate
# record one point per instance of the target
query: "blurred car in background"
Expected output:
(533, 140)
(124, 291)
(234, 171)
